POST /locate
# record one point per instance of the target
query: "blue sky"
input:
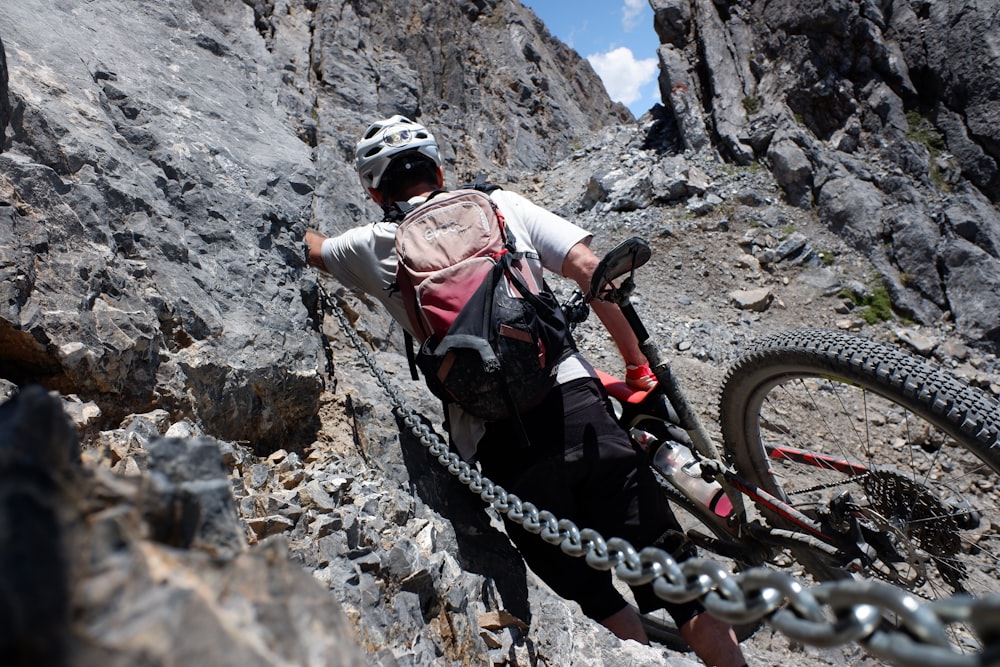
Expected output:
(618, 39)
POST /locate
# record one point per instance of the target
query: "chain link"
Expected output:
(829, 614)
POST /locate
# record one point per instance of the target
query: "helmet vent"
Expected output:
(384, 140)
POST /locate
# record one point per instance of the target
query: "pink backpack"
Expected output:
(490, 338)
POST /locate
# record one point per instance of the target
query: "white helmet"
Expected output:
(384, 140)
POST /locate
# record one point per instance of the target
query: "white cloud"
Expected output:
(632, 12)
(622, 74)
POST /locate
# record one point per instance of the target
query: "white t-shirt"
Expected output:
(364, 258)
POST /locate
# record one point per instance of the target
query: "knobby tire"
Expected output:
(929, 441)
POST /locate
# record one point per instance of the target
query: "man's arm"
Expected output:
(579, 266)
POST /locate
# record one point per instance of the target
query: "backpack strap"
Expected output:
(509, 240)
(504, 268)
(411, 356)
(396, 211)
(515, 278)
(480, 183)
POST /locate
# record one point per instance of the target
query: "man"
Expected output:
(580, 464)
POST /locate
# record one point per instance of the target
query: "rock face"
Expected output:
(151, 585)
(236, 489)
(154, 204)
(122, 191)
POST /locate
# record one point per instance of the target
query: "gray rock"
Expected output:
(955, 54)
(851, 207)
(678, 91)
(973, 282)
(731, 81)
(793, 171)
(821, 84)
(5, 110)
(199, 511)
(38, 451)
(672, 21)
(792, 246)
(918, 341)
(752, 299)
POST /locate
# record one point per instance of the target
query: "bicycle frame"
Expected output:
(638, 405)
(625, 259)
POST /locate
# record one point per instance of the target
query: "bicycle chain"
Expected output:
(857, 607)
(829, 485)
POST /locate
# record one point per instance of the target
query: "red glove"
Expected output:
(640, 378)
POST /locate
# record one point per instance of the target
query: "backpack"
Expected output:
(490, 340)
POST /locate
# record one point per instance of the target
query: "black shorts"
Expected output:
(581, 466)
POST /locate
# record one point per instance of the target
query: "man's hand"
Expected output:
(314, 244)
(639, 377)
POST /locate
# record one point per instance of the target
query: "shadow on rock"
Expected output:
(481, 547)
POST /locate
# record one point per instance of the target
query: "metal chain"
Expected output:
(829, 485)
(854, 610)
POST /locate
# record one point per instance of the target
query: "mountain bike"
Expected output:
(840, 457)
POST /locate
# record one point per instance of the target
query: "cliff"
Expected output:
(232, 486)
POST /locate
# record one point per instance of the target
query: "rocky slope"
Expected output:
(880, 115)
(242, 492)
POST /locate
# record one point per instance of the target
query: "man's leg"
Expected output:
(713, 641)
(625, 624)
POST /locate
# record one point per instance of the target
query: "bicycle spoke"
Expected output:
(895, 460)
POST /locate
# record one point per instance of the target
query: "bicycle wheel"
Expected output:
(879, 445)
